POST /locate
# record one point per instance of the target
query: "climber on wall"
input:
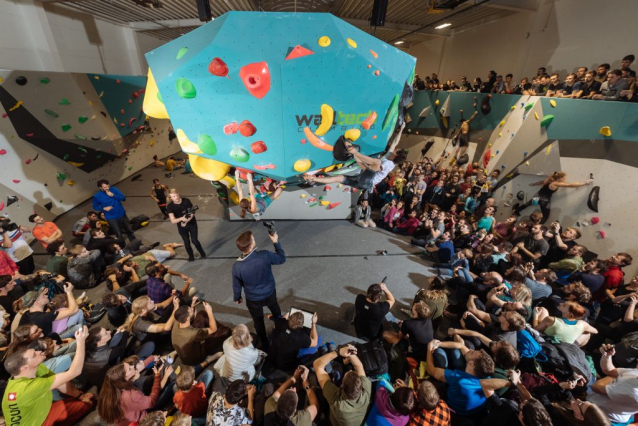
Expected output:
(255, 204)
(462, 139)
(373, 170)
(544, 195)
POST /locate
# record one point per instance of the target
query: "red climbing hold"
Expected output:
(130, 122)
(121, 124)
(487, 157)
(3, 151)
(603, 234)
(130, 101)
(231, 128)
(218, 68)
(258, 147)
(333, 205)
(595, 220)
(118, 81)
(299, 52)
(327, 188)
(136, 95)
(5, 115)
(16, 181)
(303, 141)
(29, 135)
(355, 190)
(247, 129)
(376, 73)
(256, 78)
(28, 161)
(122, 111)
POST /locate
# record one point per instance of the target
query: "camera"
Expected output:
(190, 211)
(7, 226)
(272, 230)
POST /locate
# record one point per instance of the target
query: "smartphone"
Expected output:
(591, 176)
(383, 280)
(159, 364)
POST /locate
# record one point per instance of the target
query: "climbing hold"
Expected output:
(130, 122)
(45, 80)
(122, 111)
(208, 169)
(97, 77)
(78, 136)
(130, 101)
(333, 205)
(239, 154)
(51, 113)
(497, 152)
(264, 167)
(374, 53)
(82, 119)
(489, 145)
(503, 166)
(247, 129)
(376, 73)
(327, 188)
(552, 103)
(66, 127)
(303, 195)
(525, 154)
(303, 141)
(315, 141)
(500, 134)
(605, 131)
(81, 148)
(594, 220)
(117, 81)
(369, 121)
(207, 144)
(28, 161)
(151, 143)
(64, 101)
(369, 66)
(351, 42)
(298, 52)
(528, 106)
(527, 163)
(231, 128)
(16, 180)
(256, 78)
(548, 149)
(536, 115)
(66, 157)
(502, 123)
(327, 119)
(486, 108)
(218, 68)
(324, 41)
(546, 120)
(513, 107)
(603, 234)
(72, 182)
(302, 165)
(181, 52)
(21, 80)
(486, 157)
(329, 168)
(352, 134)
(258, 147)
(392, 114)
(375, 136)
(187, 145)
(592, 200)
(3, 151)
(16, 106)
(436, 102)
(313, 204)
(185, 89)
(324, 202)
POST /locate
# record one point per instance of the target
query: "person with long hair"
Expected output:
(255, 204)
(544, 195)
(180, 211)
(462, 138)
(569, 328)
(240, 358)
(435, 297)
(120, 402)
(140, 324)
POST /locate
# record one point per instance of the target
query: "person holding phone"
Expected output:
(109, 201)
(370, 311)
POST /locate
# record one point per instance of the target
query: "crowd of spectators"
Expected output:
(603, 83)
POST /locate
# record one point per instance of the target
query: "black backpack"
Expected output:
(373, 358)
(137, 222)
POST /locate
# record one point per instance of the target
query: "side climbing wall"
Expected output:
(528, 138)
(58, 137)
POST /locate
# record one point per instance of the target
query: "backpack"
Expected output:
(139, 221)
(528, 347)
(373, 357)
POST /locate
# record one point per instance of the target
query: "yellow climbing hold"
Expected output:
(513, 107)
(75, 164)
(152, 106)
(605, 131)
(548, 150)
(527, 163)
(436, 103)
(352, 134)
(536, 115)
(234, 197)
(324, 41)
(302, 165)
(329, 169)
(552, 103)
(208, 169)
(500, 134)
(187, 145)
(228, 181)
(352, 43)
(489, 145)
(325, 203)
(152, 143)
(303, 195)
(502, 123)
(70, 182)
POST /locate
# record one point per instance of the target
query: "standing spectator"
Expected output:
(45, 232)
(610, 89)
(370, 311)
(601, 74)
(253, 272)
(109, 200)
(159, 194)
(348, 403)
(181, 213)
(16, 246)
(588, 88)
(83, 225)
(28, 396)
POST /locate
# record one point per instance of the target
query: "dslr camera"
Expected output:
(271, 227)
(190, 211)
(6, 225)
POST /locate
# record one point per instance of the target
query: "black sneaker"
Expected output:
(191, 258)
(155, 244)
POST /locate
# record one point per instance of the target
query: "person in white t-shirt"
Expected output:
(373, 170)
(616, 394)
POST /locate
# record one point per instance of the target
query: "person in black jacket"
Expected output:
(181, 212)
(253, 272)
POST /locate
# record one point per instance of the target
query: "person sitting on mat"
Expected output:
(373, 170)
(258, 204)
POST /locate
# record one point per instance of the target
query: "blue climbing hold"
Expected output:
(525, 154)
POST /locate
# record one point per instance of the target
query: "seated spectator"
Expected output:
(104, 349)
(560, 241)
(192, 343)
(362, 215)
(540, 89)
(65, 327)
(591, 275)
(505, 230)
(435, 297)
(487, 222)
(348, 403)
(81, 266)
(83, 225)
(610, 89)
(442, 250)
(240, 357)
(432, 230)
(370, 311)
(588, 88)
(224, 410)
(122, 275)
(533, 246)
(173, 164)
(389, 407)
(539, 283)
(567, 90)
(288, 338)
(431, 410)
(160, 286)
(58, 262)
(31, 385)
(523, 86)
(9, 294)
(282, 407)
(554, 86)
(115, 253)
(141, 322)
(572, 263)
(191, 397)
(417, 330)
(407, 226)
(614, 275)
(393, 215)
(43, 231)
(118, 303)
(569, 328)
(602, 72)
(36, 304)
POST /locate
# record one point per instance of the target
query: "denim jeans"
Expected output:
(450, 359)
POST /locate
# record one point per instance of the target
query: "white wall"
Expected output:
(48, 37)
(562, 35)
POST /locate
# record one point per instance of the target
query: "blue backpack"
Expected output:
(528, 347)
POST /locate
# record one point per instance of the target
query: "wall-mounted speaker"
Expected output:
(378, 13)
(203, 9)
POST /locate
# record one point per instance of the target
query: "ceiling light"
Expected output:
(399, 42)
(447, 24)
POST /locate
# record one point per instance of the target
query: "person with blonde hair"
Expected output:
(255, 204)
(140, 322)
(182, 213)
(544, 195)
(240, 359)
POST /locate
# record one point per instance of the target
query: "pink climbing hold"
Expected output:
(603, 234)
(28, 161)
(246, 128)
(5, 115)
(595, 220)
(1, 205)
(345, 189)
(3, 151)
(265, 167)
(130, 122)
(29, 134)
(218, 68)
(333, 205)
(231, 128)
(355, 190)
(16, 180)
(303, 141)
(312, 200)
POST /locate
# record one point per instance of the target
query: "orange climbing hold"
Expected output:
(247, 129)
(374, 53)
(299, 52)
(258, 147)
(218, 68)
(256, 78)
(315, 141)
(376, 73)
(368, 122)
(333, 205)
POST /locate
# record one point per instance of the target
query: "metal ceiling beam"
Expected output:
(402, 27)
(160, 24)
(515, 5)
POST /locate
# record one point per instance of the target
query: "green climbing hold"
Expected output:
(313, 204)
(65, 101)
(239, 154)
(61, 176)
(546, 120)
(321, 198)
(130, 168)
(51, 113)
(77, 136)
(66, 127)
(181, 52)
(66, 157)
(529, 106)
(207, 144)
(185, 89)
(82, 149)
(82, 119)
(98, 156)
(159, 97)
(392, 114)
(45, 80)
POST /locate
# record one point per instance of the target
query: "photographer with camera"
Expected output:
(16, 245)
(182, 213)
(253, 272)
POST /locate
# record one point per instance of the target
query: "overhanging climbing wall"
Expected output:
(58, 137)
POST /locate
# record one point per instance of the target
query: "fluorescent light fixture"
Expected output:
(447, 24)
(399, 42)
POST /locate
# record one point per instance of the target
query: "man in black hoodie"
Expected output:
(253, 272)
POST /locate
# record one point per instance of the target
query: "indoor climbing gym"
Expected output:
(318, 213)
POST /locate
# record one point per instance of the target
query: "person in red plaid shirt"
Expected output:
(432, 411)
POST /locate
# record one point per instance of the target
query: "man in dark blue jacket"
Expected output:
(109, 200)
(253, 272)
